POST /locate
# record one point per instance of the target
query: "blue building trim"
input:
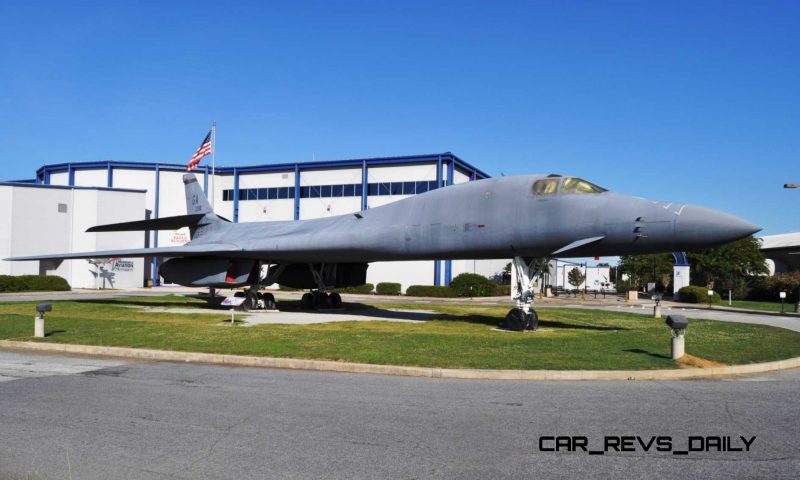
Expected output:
(460, 164)
(439, 172)
(681, 260)
(451, 173)
(437, 264)
(71, 176)
(235, 196)
(31, 184)
(205, 182)
(364, 185)
(297, 192)
(109, 175)
(156, 281)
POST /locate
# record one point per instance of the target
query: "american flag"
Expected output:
(205, 149)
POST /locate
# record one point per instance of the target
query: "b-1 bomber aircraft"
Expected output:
(526, 218)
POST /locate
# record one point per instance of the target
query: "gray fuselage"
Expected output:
(492, 218)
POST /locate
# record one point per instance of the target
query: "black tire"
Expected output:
(516, 320)
(321, 300)
(533, 321)
(252, 300)
(335, 300)
(269, 301)
(307, 301)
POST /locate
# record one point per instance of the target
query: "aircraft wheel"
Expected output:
(335, 300)
(321, 300)
(516, 320)
(533, 321)
(251, 303)
(269, 301)
(307, 301)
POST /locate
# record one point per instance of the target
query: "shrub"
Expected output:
(768, 288)
(472, 285)
(33, 283)
(388, 288)
(693, 294)
(430, 291)
(363, 289)
(502, 290)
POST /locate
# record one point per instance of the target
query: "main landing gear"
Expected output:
(318, 299)
(255, 300)
(524, 271)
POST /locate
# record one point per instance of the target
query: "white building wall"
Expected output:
(92, 177)
(61, 178)
(31, 224)
(459, 177)
(403, 173)
(37, 227)
(332, 176)
(404, 273)
(6, 206)
(487, 268)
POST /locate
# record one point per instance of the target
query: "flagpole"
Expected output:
(213, 161)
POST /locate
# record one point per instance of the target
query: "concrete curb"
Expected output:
(330, 366)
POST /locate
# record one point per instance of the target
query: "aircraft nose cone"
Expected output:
(704, 227)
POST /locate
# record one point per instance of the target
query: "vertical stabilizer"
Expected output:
(196, 201)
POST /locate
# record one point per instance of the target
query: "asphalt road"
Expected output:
(66, 417)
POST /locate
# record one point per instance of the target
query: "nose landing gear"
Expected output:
(524, 317)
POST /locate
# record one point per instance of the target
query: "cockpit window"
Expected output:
(545, 186)
(578, 185)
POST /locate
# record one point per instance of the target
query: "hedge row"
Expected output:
(33, 283)
(430, 291)
(693, 294)
(768, 289)
(363, 289)
(388, 288)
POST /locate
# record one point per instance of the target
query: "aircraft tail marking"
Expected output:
(196, 201)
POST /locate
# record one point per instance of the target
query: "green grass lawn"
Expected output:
(765, 306)
(459, 337)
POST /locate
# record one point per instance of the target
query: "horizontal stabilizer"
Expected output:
(165, 223)
(578, 243)
(214, 249)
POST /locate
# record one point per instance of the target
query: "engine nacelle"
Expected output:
(333, 275)
(209, 272)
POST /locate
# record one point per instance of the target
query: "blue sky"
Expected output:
(689, 101)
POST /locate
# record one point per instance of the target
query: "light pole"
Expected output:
(796, 305)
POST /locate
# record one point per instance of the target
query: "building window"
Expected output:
(332, 191)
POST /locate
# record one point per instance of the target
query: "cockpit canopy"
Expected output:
(549, 186)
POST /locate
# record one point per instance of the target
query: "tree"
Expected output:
(576, 277)
(726, 263)
(642, 269)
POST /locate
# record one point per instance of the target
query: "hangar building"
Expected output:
(36, 219)
(287, 191)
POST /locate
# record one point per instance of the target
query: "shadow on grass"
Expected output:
(352, 309)
(53, 332)
(572, 326)
(121, 302)
(645, 352)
